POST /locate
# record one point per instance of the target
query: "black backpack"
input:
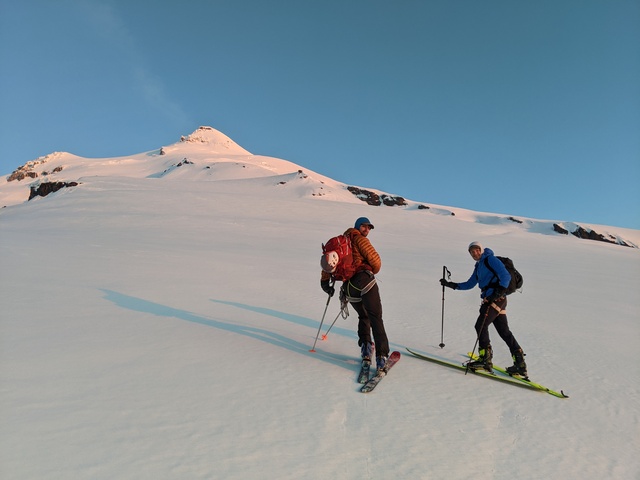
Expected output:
(516, 278)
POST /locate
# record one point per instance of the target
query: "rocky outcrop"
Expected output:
(589, 234)
(557, 228)
(374, 199)
(593, 235)
(21, 174)
(46, 188)
(28, 170)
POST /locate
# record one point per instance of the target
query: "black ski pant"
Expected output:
(495, 313)
(369, 310)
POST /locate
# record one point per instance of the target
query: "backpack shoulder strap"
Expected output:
(486, 264)
(493, 283)
(351, 233)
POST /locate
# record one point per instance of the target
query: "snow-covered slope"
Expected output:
(156, 322)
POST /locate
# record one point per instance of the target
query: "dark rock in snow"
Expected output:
(45, 189)
(374, 199)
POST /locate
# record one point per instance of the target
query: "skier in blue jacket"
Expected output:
(492, 309)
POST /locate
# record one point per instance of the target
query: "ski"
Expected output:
(363, 376)
(480, 373)
(375, 380)
(525, 381)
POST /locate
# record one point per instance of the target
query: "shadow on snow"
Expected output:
(140, 305)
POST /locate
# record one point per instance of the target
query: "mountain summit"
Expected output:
(207, 155)
(214, 141)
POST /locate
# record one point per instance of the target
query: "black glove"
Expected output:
(445, 283)
(497, 293)
(327, 287)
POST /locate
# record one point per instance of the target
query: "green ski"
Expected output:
(480, 373)
(524, 381)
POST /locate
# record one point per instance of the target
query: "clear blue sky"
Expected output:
(527, 108)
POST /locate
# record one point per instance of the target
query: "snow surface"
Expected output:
(157, 320)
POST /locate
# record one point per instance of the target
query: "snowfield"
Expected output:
(157, 321)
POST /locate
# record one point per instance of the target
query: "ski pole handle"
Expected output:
(446, 274)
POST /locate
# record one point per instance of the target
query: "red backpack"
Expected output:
(344, 266)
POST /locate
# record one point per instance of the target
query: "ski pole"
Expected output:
(313, 349)
(324, 337)
(477, 339)
(446, 274)
(344, 311)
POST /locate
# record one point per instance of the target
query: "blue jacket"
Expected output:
(483, 277)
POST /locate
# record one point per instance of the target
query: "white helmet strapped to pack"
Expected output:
(329, 261)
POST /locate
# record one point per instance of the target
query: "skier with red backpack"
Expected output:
(352, 259)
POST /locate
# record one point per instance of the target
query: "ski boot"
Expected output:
(366, 350)
(484, 361)
(381, 361)
(519, 366)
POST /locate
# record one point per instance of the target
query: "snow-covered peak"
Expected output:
(207, 155)
(214, 141)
